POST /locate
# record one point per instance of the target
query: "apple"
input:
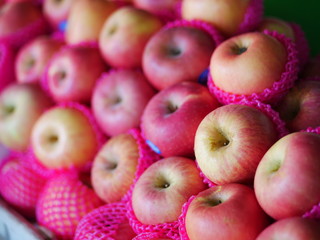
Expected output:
(295, 228)
(119, 99)
(16, 17)
(20, 185)
(230, 142)
(57, 11)
(21, 105)
(114, 167)
(33, 58)
(229, 211)
(72, 73)
(106, 222)
(163, 188)
(299, 108)
(64, 201)
(127, 23)
(277, 24)
(7, 60)
(64, 137)
(165, 8)
(248, 63)
(228, 16)
(177, 54)
(172, 116)
(86, 18)
(287, 179)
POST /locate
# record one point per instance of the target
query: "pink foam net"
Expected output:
(64, 201)
(252, 17)
(278, 89)
(7, 59)
(102, 223)
(24, 35)
(148, 236)
(20, 185)
(313, 130)
(100, 137)
(182, 219)
(302, 44)
(208, 28)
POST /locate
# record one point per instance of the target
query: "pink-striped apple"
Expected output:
(21, 105)
(127, 23)
(34, 57)
(163, 188)
(230, 142)
(227, 15)
(72, 73)
(224, 212)
(287, 179)
(295, 228)
(64, 137)
(86, 18)
(248, 63)
(119, 99)
(114, 167)
(172, 116)
(299, 108)
(177, 54)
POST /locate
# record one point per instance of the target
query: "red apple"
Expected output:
(287, 179)
(21, 105)
(248, 63)
(295, 228)
(299, 108)
(34, 57)
(165, 8)
(177, 54)
(7, 61)
(57, 11)
(86, 18)
(64, 137)
(229, 211)
(64, 201)
(163, 188)
(227, 15)
(119, 99)
(114, 167)
(230, 142)
(172, 116)
(72, 73)
(127, 23)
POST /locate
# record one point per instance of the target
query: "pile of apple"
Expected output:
(159, 119)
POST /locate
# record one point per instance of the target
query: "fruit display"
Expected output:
(157, 119)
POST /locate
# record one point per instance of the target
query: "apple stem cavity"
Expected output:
(8, 110)
(213, 202)
(238, 50)
(162, 183)
(174, 52)
(171, 108)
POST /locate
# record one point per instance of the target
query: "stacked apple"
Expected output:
(175, 119)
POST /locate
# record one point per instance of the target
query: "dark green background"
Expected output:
(306, 13)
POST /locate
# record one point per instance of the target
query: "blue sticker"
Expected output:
(153, 147)
(63, 26)
(203, 78)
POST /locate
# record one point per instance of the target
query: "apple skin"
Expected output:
(226, 15)
(57, 138)
(299, 108)
(86, 18)
(57, 11)
(163, 188)
(72, 73)
(165, 8)
(277, 24)
(287, 178)
(248, 63)
(114, 167)
(177, 54)
(172, 116)
(17, 15)
(229, 211)
(230, 142)
(127, 23)
(16, 102)
(119, 99)
(295, 228)
(33, 58)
